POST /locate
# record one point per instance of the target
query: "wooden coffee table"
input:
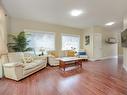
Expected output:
(66, 61)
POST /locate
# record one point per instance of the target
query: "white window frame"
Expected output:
(73, 35)
(42, 31)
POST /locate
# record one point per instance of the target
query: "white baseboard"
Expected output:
(103, 58)
(92, 59)
(125, 67)
(108, 57)
(120, 56)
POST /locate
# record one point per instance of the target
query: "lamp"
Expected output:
(42, 49)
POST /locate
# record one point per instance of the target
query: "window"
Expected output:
(39, 40)
(70, 41)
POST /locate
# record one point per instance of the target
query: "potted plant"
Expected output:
(20, 43)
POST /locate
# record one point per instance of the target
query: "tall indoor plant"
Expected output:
(20, 43)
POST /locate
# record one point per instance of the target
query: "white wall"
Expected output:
(108, 50)
(3, 38)
(18, 25)
(125, 49)
(89, 48)
(120, 48)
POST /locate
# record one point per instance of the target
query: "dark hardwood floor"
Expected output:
(105, 77)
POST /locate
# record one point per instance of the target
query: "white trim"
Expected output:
(103, 58)
(125, 67)
(67, 34)
(38, 31)
(108, 57)
(92, 59)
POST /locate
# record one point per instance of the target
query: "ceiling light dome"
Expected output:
(76, 12)
(110, 23)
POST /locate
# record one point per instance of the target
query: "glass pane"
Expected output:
(70, 41)
(40, 40)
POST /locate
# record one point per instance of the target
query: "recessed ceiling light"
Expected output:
(76, 12)
(110, 23)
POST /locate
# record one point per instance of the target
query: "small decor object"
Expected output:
(27, 58)
(87, 40)
(74, 49)
(20, 43)
(111, 40)
(55, 53)
(42, 50)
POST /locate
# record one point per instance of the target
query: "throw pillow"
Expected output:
(70, 53)
(27, 58)
(55, 53)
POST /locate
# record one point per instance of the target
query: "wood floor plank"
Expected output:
(105, 77)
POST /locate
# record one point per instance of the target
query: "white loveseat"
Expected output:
(15, 69)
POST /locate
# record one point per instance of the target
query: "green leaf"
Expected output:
(20, 42)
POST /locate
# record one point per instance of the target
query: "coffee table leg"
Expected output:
(62, 65)
(64, 68)
(80, 64)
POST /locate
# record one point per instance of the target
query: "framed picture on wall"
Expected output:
(87, 40)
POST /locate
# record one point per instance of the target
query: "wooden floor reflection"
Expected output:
(105, 77)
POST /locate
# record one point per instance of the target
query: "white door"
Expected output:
(97, 46)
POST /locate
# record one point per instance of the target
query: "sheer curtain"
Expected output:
(70, 41)
(3, 39)
(39, 40)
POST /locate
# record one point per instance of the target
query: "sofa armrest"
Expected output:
(13, 70)
(51, 56)
(12, 64)
(53, 61)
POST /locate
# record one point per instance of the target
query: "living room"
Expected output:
(71, 48)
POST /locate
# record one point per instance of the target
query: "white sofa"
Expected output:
(18, 70)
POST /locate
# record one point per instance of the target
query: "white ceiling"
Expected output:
(96, 12)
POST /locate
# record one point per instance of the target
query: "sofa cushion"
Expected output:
(82, 53)
(70, 53)
(54, 53)
(83, 56)
(31, 70)
(32, 65)
(39, 61)
(27, 59)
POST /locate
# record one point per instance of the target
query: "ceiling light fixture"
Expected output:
(76, 12)
(110, 23)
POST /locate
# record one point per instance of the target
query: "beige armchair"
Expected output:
(53, 58)
(15, 69)
(70, 53)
